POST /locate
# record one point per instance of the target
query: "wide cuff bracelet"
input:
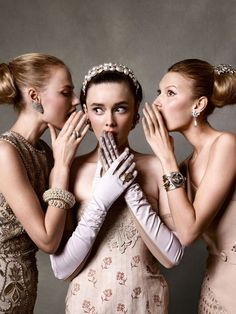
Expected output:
(59, 198)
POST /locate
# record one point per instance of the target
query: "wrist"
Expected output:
(173, 180)
(59, 177)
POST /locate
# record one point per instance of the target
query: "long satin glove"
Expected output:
(105, 193)
(160, 240)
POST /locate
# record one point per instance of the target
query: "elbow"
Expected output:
(49, 248)
(186, 239)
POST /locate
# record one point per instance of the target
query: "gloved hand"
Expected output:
(160, 240)
(105, 192)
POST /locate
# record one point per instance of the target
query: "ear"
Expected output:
(85, 108)
(200, 104)
(33, 94)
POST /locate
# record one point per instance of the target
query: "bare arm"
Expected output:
(192, 219)
(44, 229)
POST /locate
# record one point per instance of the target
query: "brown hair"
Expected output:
(32, 69)
(219, 88)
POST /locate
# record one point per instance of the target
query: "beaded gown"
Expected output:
(120, 275)
(219, 285)
(18, 270)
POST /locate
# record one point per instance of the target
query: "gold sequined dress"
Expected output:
(120, 275)
(218, 293)
(18, 270)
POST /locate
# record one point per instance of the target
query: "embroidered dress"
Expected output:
(219, 285)
(18, 270)
(120, 275)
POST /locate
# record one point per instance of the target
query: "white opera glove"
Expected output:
(160, 240)
(106, 191)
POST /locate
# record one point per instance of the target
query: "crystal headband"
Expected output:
(109, 67)
(224, 68)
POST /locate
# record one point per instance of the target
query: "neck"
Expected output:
(200, 135)
(29, 126)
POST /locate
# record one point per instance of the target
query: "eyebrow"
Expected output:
(68, 86)
(114, 105)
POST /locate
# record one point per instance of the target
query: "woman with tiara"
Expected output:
(112, 256)
(188, 93)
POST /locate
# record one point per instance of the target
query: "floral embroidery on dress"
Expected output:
(123, 235)
(91, 276)
(15, 288)
(135, 261)
(208, 303)
(106, 295)
(157, 300)
(121, 308)
(121, 278)
(88, 308)
(136, 293)
(106, 262)
(76, 288)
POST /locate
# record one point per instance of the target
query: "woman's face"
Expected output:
(110, 107)
(175, 100)
(58, 98)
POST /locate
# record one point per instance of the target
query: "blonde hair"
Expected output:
(32, 69)
(219, 88)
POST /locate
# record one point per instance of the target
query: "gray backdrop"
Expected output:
(147, 36)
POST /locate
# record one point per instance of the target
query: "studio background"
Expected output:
(148, 36)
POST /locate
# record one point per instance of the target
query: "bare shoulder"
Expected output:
(224, 143)
(82, 173)
(8, 153)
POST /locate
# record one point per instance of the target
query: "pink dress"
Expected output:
(218, 293)
(120, 275)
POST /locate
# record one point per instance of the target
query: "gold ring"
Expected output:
(127, 176)
(76, 134)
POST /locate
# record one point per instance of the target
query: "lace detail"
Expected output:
(208, 303)
(18, 270)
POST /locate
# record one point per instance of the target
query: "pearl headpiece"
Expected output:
(109, 67)
(224, 68)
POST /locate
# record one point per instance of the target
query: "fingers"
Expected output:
(159, 119)
(151, 121)
(109, 151)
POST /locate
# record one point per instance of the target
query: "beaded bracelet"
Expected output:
(59, 198)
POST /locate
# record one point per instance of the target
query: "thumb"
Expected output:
(53, 132)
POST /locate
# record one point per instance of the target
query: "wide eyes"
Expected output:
(98, 110)
(118, 109)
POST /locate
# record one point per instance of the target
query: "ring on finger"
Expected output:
(127, 176)
(76, 134)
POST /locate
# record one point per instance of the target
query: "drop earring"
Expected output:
(37, 106)
(195, 114)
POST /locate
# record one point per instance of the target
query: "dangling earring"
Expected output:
(136, 120)
(37, 106)
(195, 114)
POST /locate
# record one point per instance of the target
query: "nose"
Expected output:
(157, 102)
(110, 120)
(75, 100)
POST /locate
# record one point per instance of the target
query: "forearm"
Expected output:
(161, 241)
(184, 216)
(71, 258)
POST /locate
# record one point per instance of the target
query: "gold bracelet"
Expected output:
(59, 198)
